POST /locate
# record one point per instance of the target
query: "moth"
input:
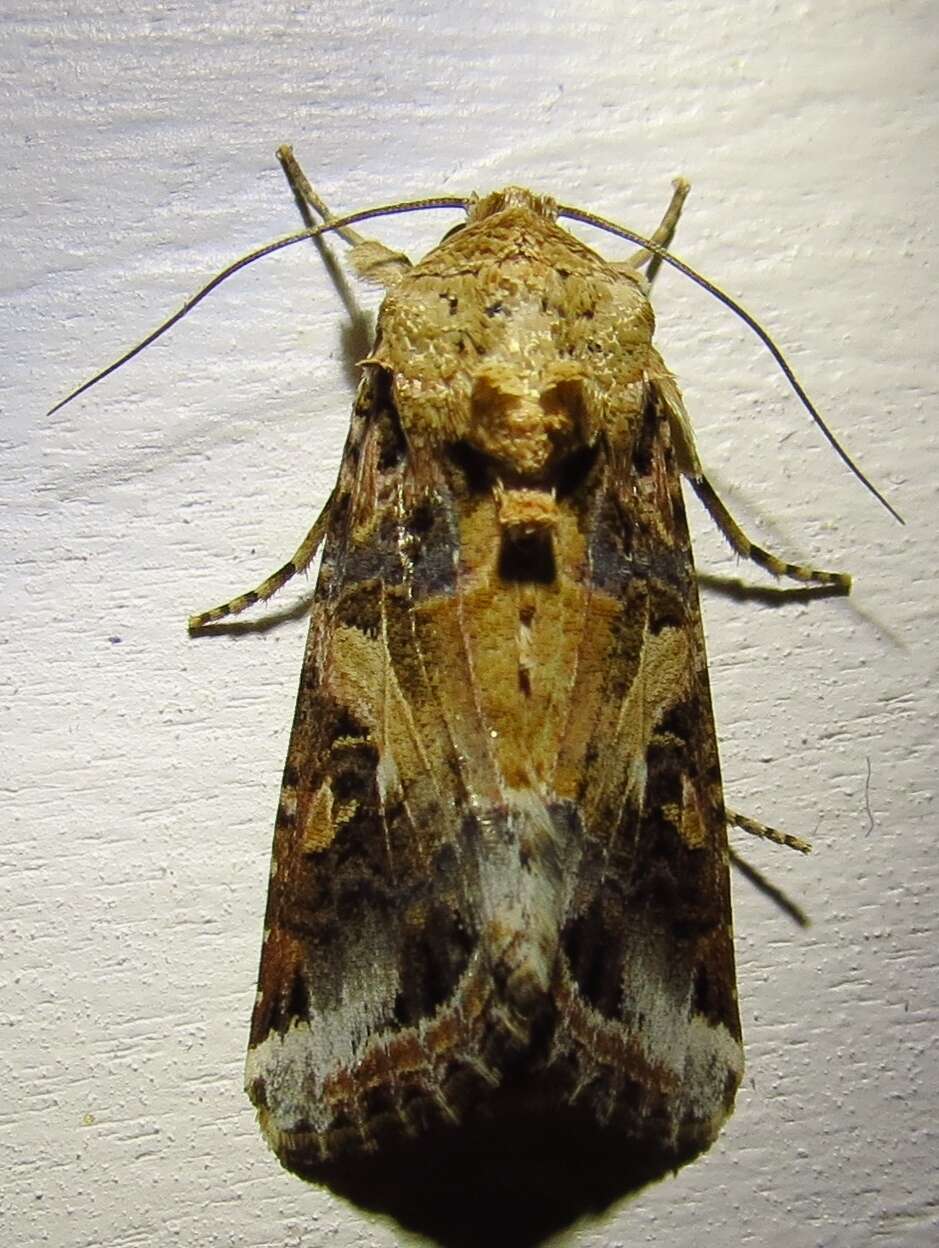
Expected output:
(499, 906)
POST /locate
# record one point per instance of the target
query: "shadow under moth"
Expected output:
(498, 944)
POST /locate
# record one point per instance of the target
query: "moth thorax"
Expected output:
(525, 423)
(525, 512)
(528, 520)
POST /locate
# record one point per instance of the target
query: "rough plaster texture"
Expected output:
(140, 769)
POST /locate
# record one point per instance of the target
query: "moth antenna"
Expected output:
(335, 224)
(601, 223)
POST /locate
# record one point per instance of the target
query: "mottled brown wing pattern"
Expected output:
(499, 882)
(648, 948)
(370, 925)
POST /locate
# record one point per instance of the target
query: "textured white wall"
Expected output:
(140, 769)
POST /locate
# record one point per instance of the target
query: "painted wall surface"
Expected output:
(140, 769)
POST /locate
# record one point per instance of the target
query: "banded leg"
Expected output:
(371, 259)
(664, 233)
(757, 878)
(736, 820)
(300, 185)
(749, 550)
(300, 560)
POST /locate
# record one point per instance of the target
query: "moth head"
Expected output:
(480, 207)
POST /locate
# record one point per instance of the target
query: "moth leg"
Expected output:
(300, 560)
(300, 185)
(757, 878)
(371, 259)
(736, 820)
(666, 393)
(665, 232)
(749, 550)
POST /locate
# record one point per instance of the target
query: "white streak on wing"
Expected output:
(637, 776)
(710, 1054)
(293, 1067)
(386, 775)
(526, 901)
(674, 1035)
